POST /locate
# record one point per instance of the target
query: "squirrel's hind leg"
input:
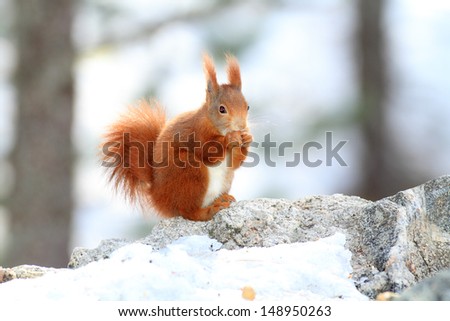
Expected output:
(207, 213)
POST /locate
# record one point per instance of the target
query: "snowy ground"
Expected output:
(195, 268)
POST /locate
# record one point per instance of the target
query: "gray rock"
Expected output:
(169, 230)
(22, 272)
(405, 237)
(435, 288)
(395, 242)
(265, 222)
(82, 256)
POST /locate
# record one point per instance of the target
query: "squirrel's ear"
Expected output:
(234, 73)
(212, 87)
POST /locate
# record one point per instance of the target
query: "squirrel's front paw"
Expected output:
(233, 139)
(246, 138)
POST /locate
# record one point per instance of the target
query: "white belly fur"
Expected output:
(219, 181)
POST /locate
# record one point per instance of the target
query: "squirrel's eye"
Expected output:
(248, 107)
(222, 110)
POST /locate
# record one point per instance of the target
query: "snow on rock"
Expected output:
(196, 268)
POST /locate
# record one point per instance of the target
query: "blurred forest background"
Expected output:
(375, 73)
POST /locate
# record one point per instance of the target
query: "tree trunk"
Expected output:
(370, 47)
(385, 170)
(41, 203)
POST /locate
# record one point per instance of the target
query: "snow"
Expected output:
(196, 268)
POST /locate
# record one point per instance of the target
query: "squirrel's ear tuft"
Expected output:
(212, 86)
(233, 71)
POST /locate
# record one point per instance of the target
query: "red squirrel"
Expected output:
(183, 167)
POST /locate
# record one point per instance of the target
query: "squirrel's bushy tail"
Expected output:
(127, 149)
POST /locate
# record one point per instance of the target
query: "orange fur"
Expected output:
(190, 160)
(131, 137)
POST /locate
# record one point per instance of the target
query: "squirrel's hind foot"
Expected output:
(207, 213)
